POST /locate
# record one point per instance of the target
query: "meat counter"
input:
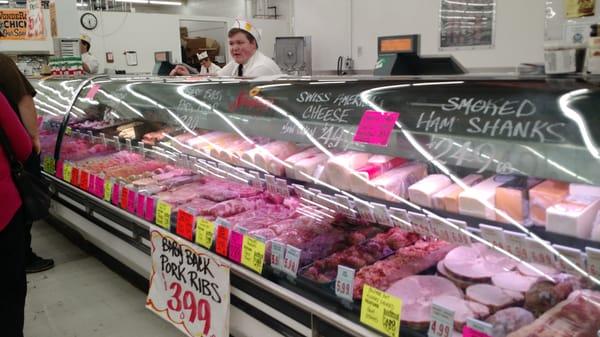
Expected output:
(480, 195)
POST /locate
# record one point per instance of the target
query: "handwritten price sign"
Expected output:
(381, 311)
(205, 232)
(253, 253)
(376, 127)
(291, 261)
(188, 288)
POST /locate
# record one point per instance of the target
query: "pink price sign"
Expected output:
(131, 202)
(141, 200)
(115, 195)
(59, 169)
(93, 91)
(470, 332)
(99, 187)
(376, 127)
(236, 241)
(150, 204)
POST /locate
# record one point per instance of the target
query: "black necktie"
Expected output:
(241, 70)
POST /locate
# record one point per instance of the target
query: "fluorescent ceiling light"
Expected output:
(168, 3)
(81, 5)
(134, 1)
(3, 1)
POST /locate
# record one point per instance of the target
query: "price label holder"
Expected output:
(459, 234)
(129, 145)
(108, 185)
(442, 321)
(476, 328)
(291, 261)
(205, 232)
(60, 169)
(574, 255)
(163, 215)
(344, 206)
(140, 204)
(124, 201)
(515, 244)
(382, 215)
(236, 241)
(75, 176)
(185, 225)
(282, 187)
(400, 219)
(440, 228)
(150, 208)
(116, 190)
(301, 192)
(537, 253)
(277, 255)
(49, 165)
(117, 143)
(255, 180)
(253, 253)
(365, 210)
(593, 261)
(420, 223)
(222, 240)
(271, 183)
(381, 311)
(67, 172)
(493, 235)
(344, 283)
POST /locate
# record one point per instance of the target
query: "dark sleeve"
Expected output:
(15, 132)
(13, 83)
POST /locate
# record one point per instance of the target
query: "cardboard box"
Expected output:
(183, 32)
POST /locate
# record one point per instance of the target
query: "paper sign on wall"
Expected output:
(376, 127)
(188, 287)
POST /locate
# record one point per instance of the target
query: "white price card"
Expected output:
(382, 215)
(440, 228)
(301, 192)
(282, 187)
(537, 253)
(277, 254)
(593, 261)
(365, 210)
(344, 206)
(271, 183)
(291, 261)
(493, 235)
(117, 143)
(574, 255)
(459, 234)
(516, 244)
(420, 223)
(129, 145)
(479, 326)
(400, 218)
(255, 180)
(442, 321)
(344, 282)
(314, 191)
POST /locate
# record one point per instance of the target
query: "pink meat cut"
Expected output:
(528, 271)
(458, 282)
(463, 309)
(477, 263)
(514, 281)
(339, 169)
(495, 298)
(417, 293)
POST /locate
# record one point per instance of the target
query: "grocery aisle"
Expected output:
(83, 297)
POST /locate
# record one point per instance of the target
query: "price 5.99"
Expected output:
(186, 304)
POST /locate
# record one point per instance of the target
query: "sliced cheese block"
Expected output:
(199, 140)
(584, 190)
(596, 229)
(397, 181)
(495, 298)
(477, 263)
(573, 216)
(473, 201)
(422, 192)
(543, 196)
(463, 309)
(528, 271)
(513, 198)
(272, 152)
(447, 198)
(338, 169)
(237, 147)
(376, 166)
(514, 281)
(312, 167)
(293, 159)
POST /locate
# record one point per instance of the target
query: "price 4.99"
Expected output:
(187, 305)
(439, 329)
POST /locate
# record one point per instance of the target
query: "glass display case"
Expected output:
(477, 195)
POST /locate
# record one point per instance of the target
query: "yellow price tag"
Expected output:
(67, 172)
(205, 232)
(381, 311)
(108, 185)
(163, 215)
(49, 164)
(253, 253)
(68, 131)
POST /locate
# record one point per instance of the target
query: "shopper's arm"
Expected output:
(29, 118)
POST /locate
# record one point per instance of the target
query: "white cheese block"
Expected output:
(292, 160)
(339, 168)
(472, 201)
(312, 167)
(596, 229)
(573, 216)
(422, 192)
(582, 190)
(397, 181)
(447, 198)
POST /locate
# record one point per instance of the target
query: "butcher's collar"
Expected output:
(250, 61)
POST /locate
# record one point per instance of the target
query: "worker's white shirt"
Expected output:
(213, 70)
(257, 65)
(91, 61)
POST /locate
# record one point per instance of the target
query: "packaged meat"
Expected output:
(514, 281)
(513, 198)
(545, 294)
(340, 168)
(495, 298)
(397, 181)
(596, 229)
(271, 156)
(573, 216)
(152, 138)
(376, 166)
(294, 159)
(479, 200)
(509, 320)
(198, 206)
(582, 190)
(477, 263)
(463, 309)
(447, 198)
(417, 294)
(543, 196)
(421, 193)
(575, 316)
(311, 167)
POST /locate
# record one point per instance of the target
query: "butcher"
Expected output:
(207, 66)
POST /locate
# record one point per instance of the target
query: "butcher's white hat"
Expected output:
(247, 26)
(86, 38)
(202, 56)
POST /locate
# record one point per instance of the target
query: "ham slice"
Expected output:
(397, 181)
(458, 282)
(339, 169)
(577, 316)
(527, 271)
(417, 293)
(477, 263)
(447, 198)
(376, 166)
(312, 166)
(463, 309)
(422, 192)
(514, 281)
(509, 320)
(493, 297)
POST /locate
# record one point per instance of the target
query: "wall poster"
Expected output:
(467, 24)
(579, 8)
